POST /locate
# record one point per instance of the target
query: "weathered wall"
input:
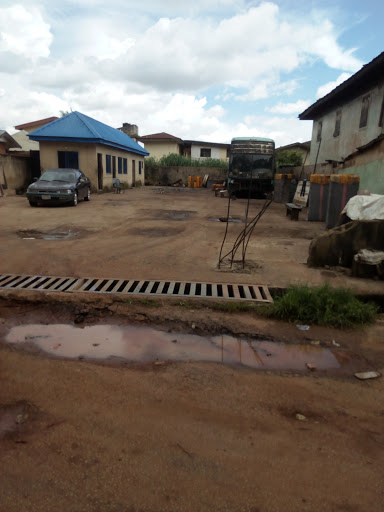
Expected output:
(133, 159)
(88, 161)
(351, 136)
(159, 149)
(15, 173)
(369, 165)
(217, 153)
(87, 156)
(167, 175)
(371, 176)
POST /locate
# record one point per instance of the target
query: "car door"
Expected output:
(81, 185)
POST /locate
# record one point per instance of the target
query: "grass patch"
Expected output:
(323, 305)
(233, 307)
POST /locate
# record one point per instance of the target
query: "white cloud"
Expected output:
(121, 63)
(328, 87)
(289, 108)
(24, 32)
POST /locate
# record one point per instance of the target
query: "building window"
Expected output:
(108, 164)
(228, 153)
(205, 152)
(319, 128)
(364, 111)
(113, 167)
(125, 167)
(336, 133)
(381, 118)
(68, 159)
(140, 163)
(120, 165)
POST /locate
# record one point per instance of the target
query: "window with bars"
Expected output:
(125, 166)
(205, 152)
(120, 165)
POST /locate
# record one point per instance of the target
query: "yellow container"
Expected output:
(345, 178)
(321, 179)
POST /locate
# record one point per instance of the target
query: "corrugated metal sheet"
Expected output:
(77, 127)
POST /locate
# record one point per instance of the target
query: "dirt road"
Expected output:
(180, 436)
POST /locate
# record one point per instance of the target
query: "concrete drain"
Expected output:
(185, 289)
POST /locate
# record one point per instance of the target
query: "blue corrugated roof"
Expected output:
(77, 127)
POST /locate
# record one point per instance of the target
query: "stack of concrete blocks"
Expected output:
(283, 188)
(341, 188)
(318, 197)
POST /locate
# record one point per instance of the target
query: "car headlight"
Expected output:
(68, 191)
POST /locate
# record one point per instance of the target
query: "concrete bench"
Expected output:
(293, 211)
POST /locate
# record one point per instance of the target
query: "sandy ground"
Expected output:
(160, 233)
(179, 436)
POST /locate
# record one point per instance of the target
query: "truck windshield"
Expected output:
(245, 164)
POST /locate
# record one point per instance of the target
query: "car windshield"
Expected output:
(64, 176)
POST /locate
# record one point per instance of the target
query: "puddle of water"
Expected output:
(32, 235)
(144, 344)
(160, 232)
(223, 219)
(169, 214)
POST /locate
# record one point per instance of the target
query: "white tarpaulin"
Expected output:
(365, 207)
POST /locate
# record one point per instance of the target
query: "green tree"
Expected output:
(65, 112)
(294, 158)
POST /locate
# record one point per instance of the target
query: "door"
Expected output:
(35, 164)
(99, 171)
(133, 173)
(82, 185)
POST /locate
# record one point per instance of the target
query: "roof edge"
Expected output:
(41, 138)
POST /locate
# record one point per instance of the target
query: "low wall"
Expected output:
(156, 175)
(368, 163)
(15, 173)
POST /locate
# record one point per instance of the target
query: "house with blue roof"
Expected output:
(103, 153)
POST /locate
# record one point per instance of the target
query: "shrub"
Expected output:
(283, 158)
(175, 160)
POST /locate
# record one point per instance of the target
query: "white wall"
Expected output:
(195, 152)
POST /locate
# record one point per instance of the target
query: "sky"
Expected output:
(205, 70)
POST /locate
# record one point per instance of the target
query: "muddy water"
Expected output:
(59, 235)
(144, 344)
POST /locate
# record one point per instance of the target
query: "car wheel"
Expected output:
(74, 200)
(32, 203)
(88, 196)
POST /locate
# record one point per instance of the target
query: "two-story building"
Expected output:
(348, 126)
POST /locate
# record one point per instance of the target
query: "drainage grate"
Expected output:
(243, 292)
